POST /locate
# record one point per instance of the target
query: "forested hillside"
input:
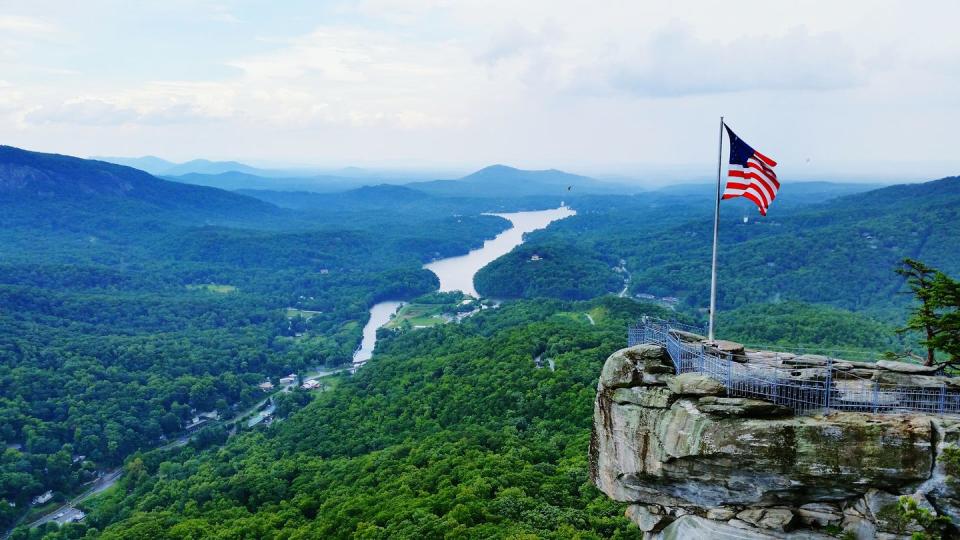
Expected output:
(130, 304)
(476, 430)
(452, 430)
(841, 252)
(548, 270)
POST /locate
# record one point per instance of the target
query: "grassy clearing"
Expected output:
(95, 501)
(417, 315)
(598, 313)
(213, 287)
(574, 316)
(304, 313)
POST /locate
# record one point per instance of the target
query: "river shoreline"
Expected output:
(456, 273)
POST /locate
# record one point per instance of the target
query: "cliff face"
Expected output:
(698, 464)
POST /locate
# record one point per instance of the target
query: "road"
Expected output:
(62, 514)
(626, 283)
(110, 478)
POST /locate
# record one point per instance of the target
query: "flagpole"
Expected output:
(716, 228)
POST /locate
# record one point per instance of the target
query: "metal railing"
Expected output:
(806, 386)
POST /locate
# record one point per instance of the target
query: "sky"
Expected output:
(853, 89)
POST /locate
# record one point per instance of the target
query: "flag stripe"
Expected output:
(771, 191)
(765, 159)
(768, 173)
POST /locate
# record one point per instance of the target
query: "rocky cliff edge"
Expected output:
(695, 463)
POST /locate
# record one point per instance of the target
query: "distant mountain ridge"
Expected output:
(239, 181)
(30, 181)
(495, 181)
(161, 167)
(505, 181)
(365, 197)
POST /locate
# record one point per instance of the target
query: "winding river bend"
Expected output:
(456, 273)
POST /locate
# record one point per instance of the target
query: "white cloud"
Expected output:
(89, 112)
(26, 25)
(358, 77)
(539, 82)
(102, 112)
(10, 97)
(676, 63)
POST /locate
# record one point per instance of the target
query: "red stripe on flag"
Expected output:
(756, 201)
(737, 185)
(757, 180)
(759, 191)
(765, 159)
(770, 175)
(770, 191)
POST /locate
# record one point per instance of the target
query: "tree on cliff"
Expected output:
(937, 315)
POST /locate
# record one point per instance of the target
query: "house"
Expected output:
(646, 296)
(266, 386)
(289, 379)
(75, 516)
(195, 422)
(42, 498)
(311, 384)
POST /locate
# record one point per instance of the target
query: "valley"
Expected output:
(455, 274)
(499, 270)
(177, 310)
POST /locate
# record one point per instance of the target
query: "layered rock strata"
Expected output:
(697, 463)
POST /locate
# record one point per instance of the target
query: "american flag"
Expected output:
(750, 174)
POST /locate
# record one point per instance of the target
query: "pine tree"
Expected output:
(937, 314)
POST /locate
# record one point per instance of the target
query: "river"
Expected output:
(456, 273)
(379, 316)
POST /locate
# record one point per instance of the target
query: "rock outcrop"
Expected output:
(696, 463)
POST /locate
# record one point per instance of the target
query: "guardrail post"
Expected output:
(829, 385)
(729, 374)
(876, 396)
(943, 398)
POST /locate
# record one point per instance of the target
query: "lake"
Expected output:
(456, 273)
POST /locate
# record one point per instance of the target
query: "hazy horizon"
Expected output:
(653, 175)
(846, 91)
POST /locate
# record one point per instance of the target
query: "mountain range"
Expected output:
(62, 181)
(39, 187)
(493, 181)
(161, 167)
(505, 181)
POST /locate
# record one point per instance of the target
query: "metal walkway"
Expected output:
(807, 387)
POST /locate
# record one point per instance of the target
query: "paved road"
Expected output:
(63, 513)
